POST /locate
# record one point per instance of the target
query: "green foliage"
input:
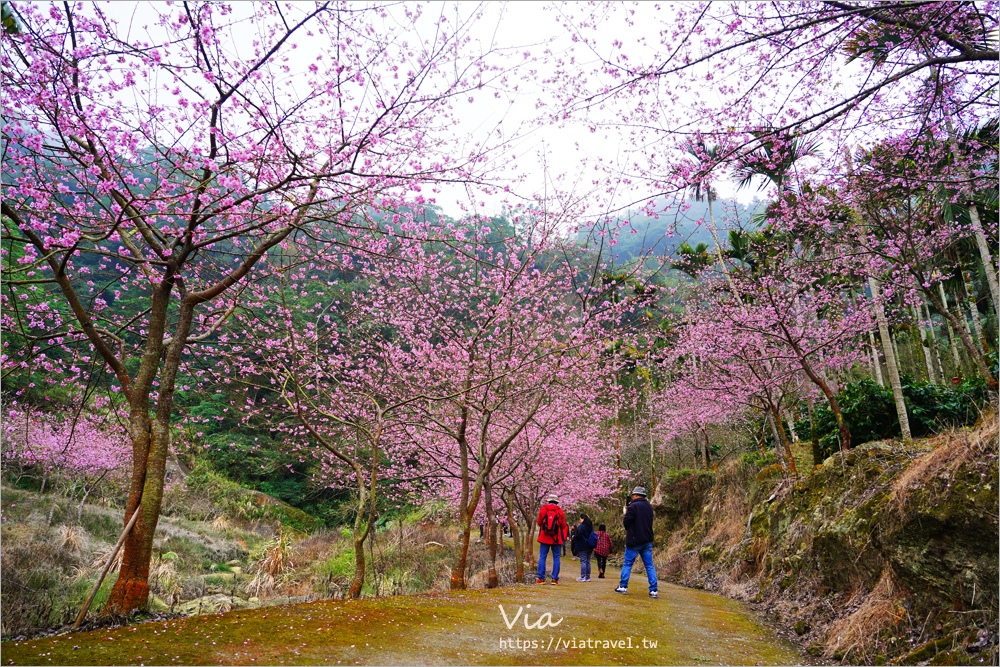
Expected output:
(870, 411)
(753, 461)
(8, 20)
(244, 504)
(339, 566)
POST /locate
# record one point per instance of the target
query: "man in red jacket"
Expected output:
(552, 531)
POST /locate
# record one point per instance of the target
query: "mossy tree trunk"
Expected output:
(955, 356)
(817, 451)
(776, 416)
(918, 322)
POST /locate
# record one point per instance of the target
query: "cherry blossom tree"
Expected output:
(148, 171)
(755, 78)
(73, 449)
(508, 335)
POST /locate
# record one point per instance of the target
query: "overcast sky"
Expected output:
(554, 158)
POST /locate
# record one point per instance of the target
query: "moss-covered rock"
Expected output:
(212, 604)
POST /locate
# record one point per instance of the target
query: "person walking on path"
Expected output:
(602, 550)
(551, 536)
(582, 547)
(638, 524)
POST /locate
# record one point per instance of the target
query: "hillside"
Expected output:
(660, 235)
(887, 553)
(218, 547)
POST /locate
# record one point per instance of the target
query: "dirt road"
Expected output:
(573, 623)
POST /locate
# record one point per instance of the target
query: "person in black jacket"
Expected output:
(638, 524)
(581, 545)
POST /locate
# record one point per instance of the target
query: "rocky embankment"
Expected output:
(884, 554)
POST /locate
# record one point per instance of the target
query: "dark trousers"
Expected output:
(602, 562)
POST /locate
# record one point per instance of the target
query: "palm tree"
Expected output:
(708, 157)
(774, 159)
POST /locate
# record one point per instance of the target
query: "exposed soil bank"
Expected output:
(597, 626)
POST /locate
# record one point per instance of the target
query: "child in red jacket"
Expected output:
(602, 550)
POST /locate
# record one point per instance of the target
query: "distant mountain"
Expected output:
(661, 235)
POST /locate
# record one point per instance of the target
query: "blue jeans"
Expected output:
(585, 562)
(543, 552)
(646, 551)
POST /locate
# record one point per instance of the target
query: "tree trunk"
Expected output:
(876, 366)
(652, 464)
(824, 386)
(787, 415)
(150, 447)
(86, 493)
(515, 534)
(492, 581)
(706, 450)
(358, 582)
(362, 526)
(776, 415)
(778, 443)
(52, 508)
(890, 360)
(935, 347)
(899, 355)
(956, 359)
(984, 255)
(977, 326)
(461, 557)
(817, 452)
(465, 525)
(131, 591)
(924, 345)
(976, 355)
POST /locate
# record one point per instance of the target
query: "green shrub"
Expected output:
(870, 411)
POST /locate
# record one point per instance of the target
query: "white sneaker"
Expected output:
(621, 589)
(587, 579)
(654, 594)
(581, 578)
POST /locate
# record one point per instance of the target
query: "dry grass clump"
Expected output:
(221, 524)
(741, 588)
(40, 588)
(272, 564)
(878, 610)
(102, 556)
(952, 449)
(164, 580)
(675, 558)
(73, 538)
(728, 524)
